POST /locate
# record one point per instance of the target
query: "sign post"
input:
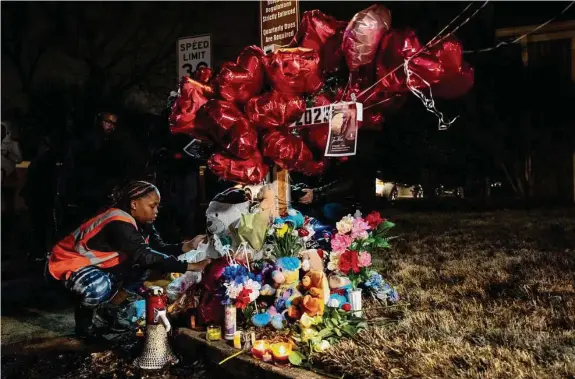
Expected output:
(279, 22)
(193, 52)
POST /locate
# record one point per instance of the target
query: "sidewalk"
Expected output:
(32, 311)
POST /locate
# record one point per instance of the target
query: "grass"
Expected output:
(486, 295)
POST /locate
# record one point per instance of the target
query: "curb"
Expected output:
(192, 344)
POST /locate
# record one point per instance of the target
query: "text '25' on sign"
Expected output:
(313, 116)
(194, 52)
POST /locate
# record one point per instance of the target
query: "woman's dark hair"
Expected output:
(133, 191)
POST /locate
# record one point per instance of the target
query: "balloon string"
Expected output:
(428, 45)
(429, 103)
(373, 105)
(506, 43)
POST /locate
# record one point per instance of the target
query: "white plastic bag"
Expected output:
(181, 284)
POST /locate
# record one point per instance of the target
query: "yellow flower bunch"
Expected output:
(281, 231)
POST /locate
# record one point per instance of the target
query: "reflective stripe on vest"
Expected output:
(73, 253)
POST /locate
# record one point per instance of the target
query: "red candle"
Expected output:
(260, 348)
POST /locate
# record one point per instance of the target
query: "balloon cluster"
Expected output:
(244, 111)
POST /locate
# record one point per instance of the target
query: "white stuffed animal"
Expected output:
(223, 214)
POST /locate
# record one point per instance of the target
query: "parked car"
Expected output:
(443, 191)
(394, 191)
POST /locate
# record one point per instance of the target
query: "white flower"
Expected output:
(332, 266)
(252, 285)
(345, 225)
(233, 290)
(333, 303)
(324, 345)
(254, 295)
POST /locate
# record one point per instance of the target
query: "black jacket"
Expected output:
(122, 237)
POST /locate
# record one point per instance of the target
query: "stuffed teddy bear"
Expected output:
(286, 278)
(339, 287)
(312, 261)
(314, 285)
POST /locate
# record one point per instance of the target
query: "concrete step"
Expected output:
(192, 344)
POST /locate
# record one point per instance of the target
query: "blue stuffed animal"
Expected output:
(293, 217)
(339, 287)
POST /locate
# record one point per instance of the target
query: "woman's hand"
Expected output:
(194, 243)
(308, 197)
(200, 266)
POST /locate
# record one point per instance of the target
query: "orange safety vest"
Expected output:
(73, 253)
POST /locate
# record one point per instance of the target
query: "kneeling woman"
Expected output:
(115, 248)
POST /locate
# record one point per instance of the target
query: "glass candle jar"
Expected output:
(214, 333)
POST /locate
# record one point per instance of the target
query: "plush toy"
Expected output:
(314, 285)
(293, 217)
(286, 278)
(222, 216)
(312, 261)
(277, 320)
(339, 287)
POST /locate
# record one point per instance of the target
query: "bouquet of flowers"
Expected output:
(356, 239)
(286, 240)
(242, 287)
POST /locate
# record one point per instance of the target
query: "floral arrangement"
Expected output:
(241, 286)
(354, 243)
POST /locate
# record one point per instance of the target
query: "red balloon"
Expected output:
(442, 67)
(458, 75)
(274, 109)
(316, 136)
(294, 71)
(192, 95)
(244, 79)
(290, 153)
(249, 171)
(323, 34)
(203, 75)
(229, 128)
(396, 46)
(363, 33)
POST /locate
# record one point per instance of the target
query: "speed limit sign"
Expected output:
(193, 53)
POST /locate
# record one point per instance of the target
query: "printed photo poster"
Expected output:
(343, 129)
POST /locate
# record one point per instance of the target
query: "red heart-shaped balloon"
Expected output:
(249, 171)
(192, 95)
(244, 79)
(228, 128)
(290, 153)
(274, 109)
(294, 71)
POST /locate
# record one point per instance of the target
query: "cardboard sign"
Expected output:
(344, 121)
(193, 53)
(279, 22)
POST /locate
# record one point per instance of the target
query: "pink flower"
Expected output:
(359, 228)
(340, 242)
(364, 259)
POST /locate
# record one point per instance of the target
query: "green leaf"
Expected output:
(349, 330)
(296, 358)
(329, 323)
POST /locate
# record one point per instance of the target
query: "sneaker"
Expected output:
(120, 325)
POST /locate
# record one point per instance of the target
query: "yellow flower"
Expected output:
(280, 232)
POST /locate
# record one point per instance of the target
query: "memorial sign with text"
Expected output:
(279, 22)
